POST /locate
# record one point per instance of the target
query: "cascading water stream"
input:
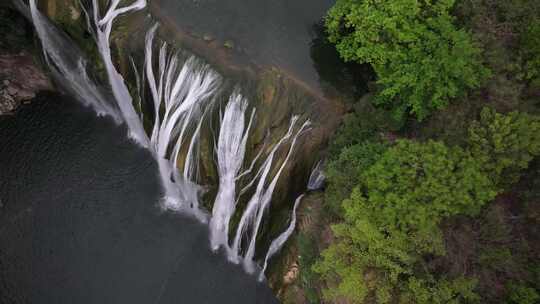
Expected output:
(102, 33)
(231, 149)
(278, 243)
(315, 182)
(265, 203)
(67, 64)
(259, 202)
(317, 177)
(181, 93)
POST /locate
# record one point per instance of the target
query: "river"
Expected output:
(272, 33)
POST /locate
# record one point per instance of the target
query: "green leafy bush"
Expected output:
(531, 50)
(421, 59)
(505, 143)
(521, 294)
(307, 255)
(365, 123)
(454, 291)
(343, 173)
(354, 130)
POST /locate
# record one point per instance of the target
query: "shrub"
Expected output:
(365, 123)
(531, 50)
(444, 291)
(343, 173)
(521, 294)
(505, 143)
(308, 252)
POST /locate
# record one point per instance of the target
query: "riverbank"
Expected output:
(21, 74)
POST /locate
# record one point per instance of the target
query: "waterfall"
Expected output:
(259, 202)
(317, 177)
(102, 32)
(315, 182)
(181, 94)
(183, 91)
(278, 243)
(67, 64)
(231, 149)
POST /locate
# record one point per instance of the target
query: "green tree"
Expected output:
(505, 143)
(454, 291)
(521, 294)
(391, 222)
(531, 50)
(343, 173)
(421, 59)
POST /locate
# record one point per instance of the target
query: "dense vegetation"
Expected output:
(433, 189)
(391, 221)
(421, 59)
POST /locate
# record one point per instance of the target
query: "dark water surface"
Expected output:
(273, 32)
(79, 221)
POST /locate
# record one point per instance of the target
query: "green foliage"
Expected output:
(343, 173)
(521, 294)
(505, 143)
(307, 255)
(354, 130)
(501, 28)
(531, 50)
(365, 123)
(423, 182)
(421, 59)
(497, 259)
(355, 147)
(391, 222)
(445, 292)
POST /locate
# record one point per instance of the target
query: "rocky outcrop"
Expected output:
(21, 76)
(20, 80)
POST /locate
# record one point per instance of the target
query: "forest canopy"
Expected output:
(422, 60)
(443, 207)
